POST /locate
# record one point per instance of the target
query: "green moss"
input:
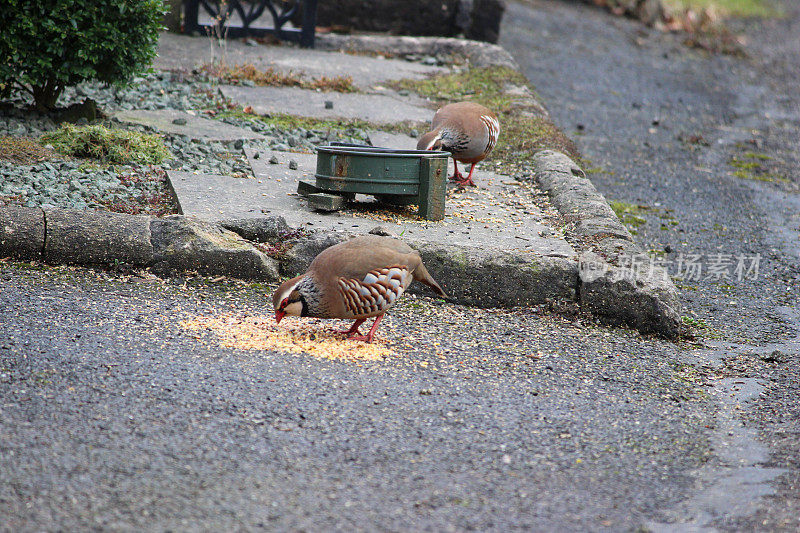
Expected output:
(771, 178)
(751, 166)
(285, 121)
(25, 265)
(756, 155)
(735, 8)
(743, 174)
(480, 84)
(107, 145)
(275, 78)
(459, 259)
(596, 170)
(345, 128)
(746, 165)
(701, 327)
(523, 131)
(629, 213)
(523, 136)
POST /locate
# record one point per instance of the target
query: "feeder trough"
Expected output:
(399, 177)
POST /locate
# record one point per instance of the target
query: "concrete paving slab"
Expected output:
(396, 141)
(381, 108)
(186, 123)
(182, 52)
(499, 215)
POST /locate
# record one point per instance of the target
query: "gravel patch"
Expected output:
(75, 185)
(72, 184)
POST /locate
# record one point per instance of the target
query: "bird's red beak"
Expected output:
(279, 315)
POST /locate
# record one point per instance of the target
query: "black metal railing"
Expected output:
(225, 14)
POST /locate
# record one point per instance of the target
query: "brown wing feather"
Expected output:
(359, 272)
(376, 293)
(476, 123)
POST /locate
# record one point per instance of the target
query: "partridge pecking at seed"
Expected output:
(467, 130)
(357, 279)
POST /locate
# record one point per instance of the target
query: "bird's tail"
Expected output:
(421, 274)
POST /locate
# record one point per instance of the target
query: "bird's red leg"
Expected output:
(353, 329)
(456, 177)
(468, 180)
(371, 335)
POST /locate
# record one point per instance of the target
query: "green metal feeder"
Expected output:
(393, 176)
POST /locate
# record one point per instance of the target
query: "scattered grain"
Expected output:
(259, 332)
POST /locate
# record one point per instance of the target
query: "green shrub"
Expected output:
(47, 45)
(107, 145)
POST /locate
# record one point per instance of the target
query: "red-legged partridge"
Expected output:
(467, 130)
(357, 279)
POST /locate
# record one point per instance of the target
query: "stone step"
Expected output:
(499, 214)
(186, 123)
(378, 108)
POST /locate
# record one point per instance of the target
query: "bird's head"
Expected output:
(430, 141)
(288, 300)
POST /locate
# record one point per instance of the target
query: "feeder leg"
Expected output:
(432, 187)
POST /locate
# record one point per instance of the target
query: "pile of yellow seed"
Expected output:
(244, 332)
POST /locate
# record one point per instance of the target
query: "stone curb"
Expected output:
(187, 244)
(178, 244)
(96, 238)
(578, 201)
(616, 282)
(22, 233)
(470, 276)
(169, 245)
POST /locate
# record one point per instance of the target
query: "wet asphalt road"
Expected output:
(661, 124)
(116, 418)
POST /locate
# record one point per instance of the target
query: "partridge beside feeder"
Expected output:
(399, 177)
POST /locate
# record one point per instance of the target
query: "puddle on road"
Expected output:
(733, 486)
(718, 350)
